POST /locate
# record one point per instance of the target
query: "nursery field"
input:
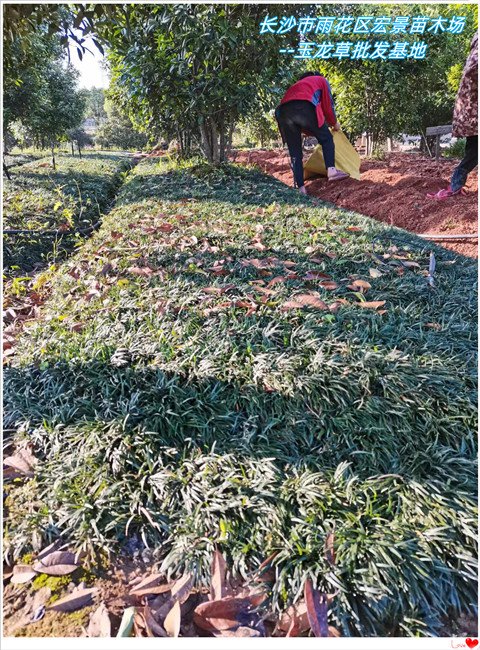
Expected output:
(48, 206)
(226, 366)
(392, 190)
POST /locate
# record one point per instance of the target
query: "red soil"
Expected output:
(392, 190)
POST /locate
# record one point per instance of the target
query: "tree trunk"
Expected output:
(7, 173)
(54, 164)
(215, 147)
(231, 129)
(73, 150)
(205, 144)
(79, 149)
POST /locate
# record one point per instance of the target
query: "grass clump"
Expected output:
(175, 401)
(37, 198)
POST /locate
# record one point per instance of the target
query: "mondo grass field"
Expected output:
(226, 364)
(52, 204)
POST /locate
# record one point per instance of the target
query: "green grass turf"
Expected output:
(40, 199)
(184, 418)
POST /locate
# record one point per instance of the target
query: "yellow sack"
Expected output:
(346, 158)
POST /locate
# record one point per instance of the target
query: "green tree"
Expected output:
(386, 98)
(95, 99)
(62, 107)
(117, 131)
(192, 71)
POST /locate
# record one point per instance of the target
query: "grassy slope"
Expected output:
(38, 198)
(166, 412)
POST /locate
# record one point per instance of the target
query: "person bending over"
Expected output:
(307, 107)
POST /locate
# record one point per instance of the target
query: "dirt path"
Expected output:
(392, 190)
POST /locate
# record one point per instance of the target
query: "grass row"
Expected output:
(52, 203)
(176, 402)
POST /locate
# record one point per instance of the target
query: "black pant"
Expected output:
(467, 164)
(294, 117)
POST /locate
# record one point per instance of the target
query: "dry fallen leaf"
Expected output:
(152, 584)
(172, 620)
(218, 588)
(375, 273)
(140, 270)
(153, 627)
(181, 588)
(22, 573)
(305, 300)
(329, 285)
(317, 609)
(230, 612)
(317, 275)
(329, 548)
(360, 285)
(99, 624)
(58, 563)
(370, 305)
(22, 461)
(76, 600)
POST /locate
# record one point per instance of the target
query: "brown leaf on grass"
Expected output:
(354, 229)
(360, 285)
(370, 305)
(411, 265)
(259, 246)
(328, 285)
(152, 584)
(304, 300)
(218, 588)
(140, 270)
(433, 326)
(166, 227)
(218, 290)
(173, 620)
(114, 234)
(230, 612)
(317, 609)
(276, 280)
(23, 461)
(76, 600)
(265, 291)
(375, 273)
(99, 624)
(58, 563)
(316, 275)
(289, 264)
(22, 573)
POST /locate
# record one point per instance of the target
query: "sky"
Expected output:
(92, 74)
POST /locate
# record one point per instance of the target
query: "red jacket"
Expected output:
(315, 89)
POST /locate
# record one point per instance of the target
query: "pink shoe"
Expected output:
(337, 175)
(445, 194)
